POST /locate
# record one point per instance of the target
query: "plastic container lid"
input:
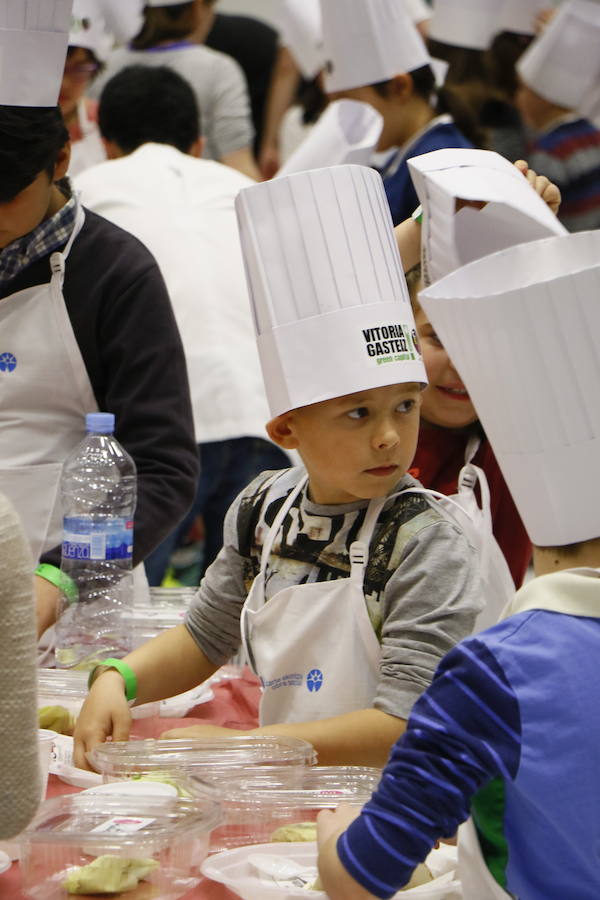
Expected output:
(62, 683)
(87, 819)
(100, 423)
(321, 788)
(211, 757)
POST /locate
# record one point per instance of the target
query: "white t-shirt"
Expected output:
(182, 209)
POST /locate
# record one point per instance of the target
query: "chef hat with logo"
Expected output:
(520, 327)
(512, 213)
(331, 307)
(347, 133)
(88, 28)
(366, 43)
(33, 47)
(519, 16)
(464, 23)
(299, 23)
(563, 64)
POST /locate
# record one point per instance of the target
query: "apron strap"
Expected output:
(57, 260)
(359, 549)
(278, 522)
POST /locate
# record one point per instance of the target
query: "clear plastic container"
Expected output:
(166, 609)
(72, 831)
(215, 761)
(68, 688)
(255, 808)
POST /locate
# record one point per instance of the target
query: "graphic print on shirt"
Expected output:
(314, 548)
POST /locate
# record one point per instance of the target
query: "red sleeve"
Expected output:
(509, 530)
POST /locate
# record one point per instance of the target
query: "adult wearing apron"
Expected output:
(46, 355)
(509, 729)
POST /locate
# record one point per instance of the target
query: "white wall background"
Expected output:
(262, 9)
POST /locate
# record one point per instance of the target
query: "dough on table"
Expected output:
(109, 875)
(299, 831)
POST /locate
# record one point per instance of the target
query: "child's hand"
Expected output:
(201, 731)
(548, 191)
(104, 714)
(332, 822)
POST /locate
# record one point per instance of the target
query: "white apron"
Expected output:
(45, 393)
(476, 879)
(313, 645)
(89, 151)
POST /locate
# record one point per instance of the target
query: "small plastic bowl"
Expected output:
(209, 760)
(72, 831)
(255, 808)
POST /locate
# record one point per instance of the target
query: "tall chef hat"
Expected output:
(464, 23)
(331, 307)
(513, 213)
(347, 133)
(33, 47)
(87, 28)
(520, 328)
(519, 15)
(300, 30)
(563, 64)
(366, 43)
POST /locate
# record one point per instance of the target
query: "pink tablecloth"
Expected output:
(235, 705)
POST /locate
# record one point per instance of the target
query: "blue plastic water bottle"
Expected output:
(98, 488)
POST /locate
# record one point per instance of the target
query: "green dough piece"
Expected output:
(421, 875)
(160, 778)
(109, 875)
(56, 718)
(300, 831)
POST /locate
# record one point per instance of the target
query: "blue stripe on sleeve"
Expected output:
(464, 731)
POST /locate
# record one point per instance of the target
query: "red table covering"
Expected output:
(235, 705)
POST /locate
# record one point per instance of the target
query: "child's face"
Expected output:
(533, 108)
(445, 400)
(24, 212)
(357, 446)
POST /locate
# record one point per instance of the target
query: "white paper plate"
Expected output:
(235, 869)
(5, 862)
(135, 789)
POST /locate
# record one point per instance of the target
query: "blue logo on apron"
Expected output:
(8, 362)
(314, 680)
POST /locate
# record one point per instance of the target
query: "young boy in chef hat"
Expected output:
(76, 296)
(509, 730)
(345, 587)
(560, 86)
(375, 54)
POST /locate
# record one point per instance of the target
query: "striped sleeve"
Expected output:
(463, 731)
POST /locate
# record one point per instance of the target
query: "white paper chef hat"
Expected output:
(366, 43)
(88, 28)
(514, 213)
(347, 133)
(563, 63)
(299, 23)
(418, 10)
(464, 23)
(33, 47)
(520, 326)
(519, 16)
(330, 302)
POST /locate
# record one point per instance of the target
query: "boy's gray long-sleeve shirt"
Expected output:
(422, 585)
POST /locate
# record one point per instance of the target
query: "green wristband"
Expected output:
(60, 579)
(418, 215)
(126, 672)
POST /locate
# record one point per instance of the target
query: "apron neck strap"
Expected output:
(57, 260)
(278, 522)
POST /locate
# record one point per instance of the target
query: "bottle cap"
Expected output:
(101, 423)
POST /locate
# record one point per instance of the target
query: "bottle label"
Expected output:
(104, 539)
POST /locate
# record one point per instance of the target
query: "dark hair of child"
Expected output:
(30, 141)
(446, 99)
(142, 104)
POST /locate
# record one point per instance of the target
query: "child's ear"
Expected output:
(401, 87)
(63, 158)
(281, 431)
